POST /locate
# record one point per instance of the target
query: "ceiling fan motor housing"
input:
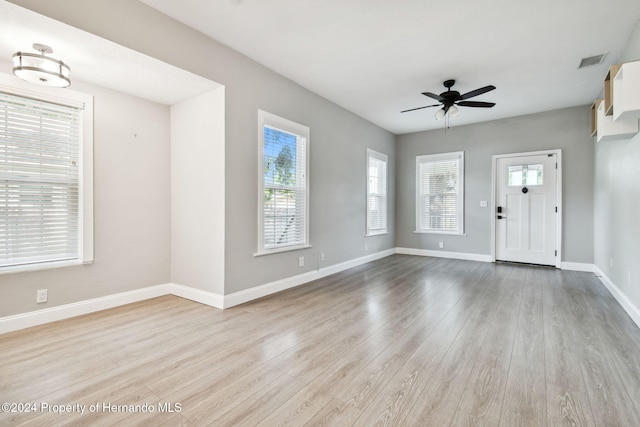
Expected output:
(450, 96)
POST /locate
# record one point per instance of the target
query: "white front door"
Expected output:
(526, 209)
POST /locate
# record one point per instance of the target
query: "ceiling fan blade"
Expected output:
(477, 92)
(476, 104)
(434, 96)
(420, 108)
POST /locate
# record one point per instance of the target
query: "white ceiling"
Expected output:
(372, 57)
(375, 57)
(96, 60)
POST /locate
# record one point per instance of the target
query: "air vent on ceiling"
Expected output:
(592, 60)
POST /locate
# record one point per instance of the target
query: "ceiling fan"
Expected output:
(449, 99)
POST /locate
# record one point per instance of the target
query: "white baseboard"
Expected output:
(197, 295)
(47, 315)
(39, 317)
(250, 294)
(631, 309)
(443, 254)
(578, 266)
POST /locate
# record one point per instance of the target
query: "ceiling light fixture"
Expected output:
(451, 112)
(41, 69)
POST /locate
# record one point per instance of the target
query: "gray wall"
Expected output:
(567, 129)
(617, 204)
(132, 209)
(338, 144)
(338, 139)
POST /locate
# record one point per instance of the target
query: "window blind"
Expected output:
(40, 144)
(376, 193)
(284, 215)
(440, 195)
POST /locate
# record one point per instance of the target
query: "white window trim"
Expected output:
(268, 119)
(460, 200)
(15, 86)
(382, 157)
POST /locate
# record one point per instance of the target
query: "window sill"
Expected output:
(451, 233)
(280, 250)
(41, 266)
(382, 233)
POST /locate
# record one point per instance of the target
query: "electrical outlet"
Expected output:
(629, 277)
(41, 296)
(611, 262)
(321, 256)
(483, 203)
(441, 245)
(301, 261)
(366, 248)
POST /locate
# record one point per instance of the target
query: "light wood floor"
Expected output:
(409, 341)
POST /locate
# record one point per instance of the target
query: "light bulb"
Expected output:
(453, 111)
(440, 114)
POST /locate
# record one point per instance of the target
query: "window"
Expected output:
(440, 193)
(46, 178)
(525, 175)
(284, 184)
(376, 193)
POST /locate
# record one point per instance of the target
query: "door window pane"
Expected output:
(525, 175)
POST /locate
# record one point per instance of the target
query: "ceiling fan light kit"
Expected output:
(41, 69)
(453, 112)
(451, 99)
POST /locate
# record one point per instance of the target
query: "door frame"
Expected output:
(494, 164)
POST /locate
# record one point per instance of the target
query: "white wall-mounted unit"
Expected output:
(626, 92)
(594, 116)
(609, 129)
